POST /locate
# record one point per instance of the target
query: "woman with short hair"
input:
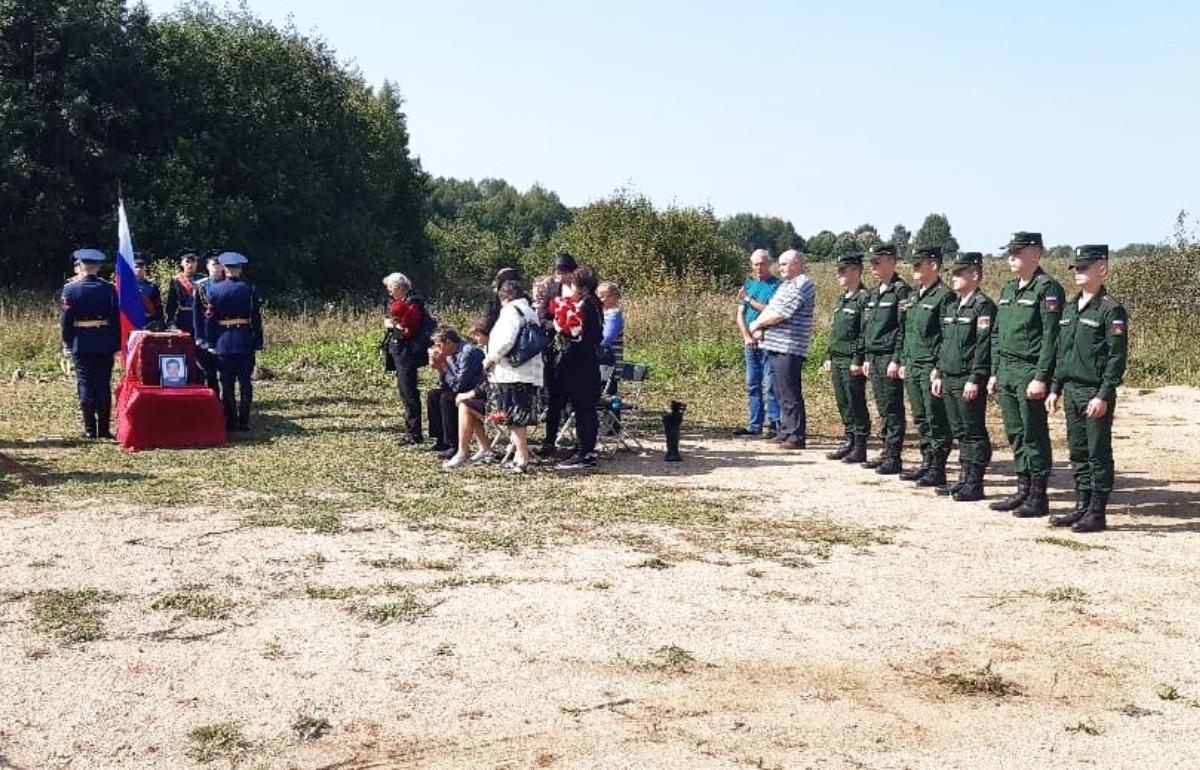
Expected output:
(408, 351)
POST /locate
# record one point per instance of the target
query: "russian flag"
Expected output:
(133, 310)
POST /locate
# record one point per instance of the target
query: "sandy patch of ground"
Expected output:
(582, 654)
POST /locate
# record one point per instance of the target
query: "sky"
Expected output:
(1074, 118)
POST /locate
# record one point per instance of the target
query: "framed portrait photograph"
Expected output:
(172, 371)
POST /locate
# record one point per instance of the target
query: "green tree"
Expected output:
(867, 236)
(821, 245)
(901, 238)
(935, 231)
(748, 232)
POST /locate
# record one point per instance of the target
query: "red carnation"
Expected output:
(568, 318)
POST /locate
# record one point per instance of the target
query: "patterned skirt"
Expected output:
(513, 403)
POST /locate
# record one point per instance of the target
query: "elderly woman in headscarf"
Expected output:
(407, 348)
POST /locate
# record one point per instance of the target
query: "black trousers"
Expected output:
(786, 371)
(406, 384)
(583, 393)
(443, 416)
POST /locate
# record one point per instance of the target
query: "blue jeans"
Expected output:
(758, 384)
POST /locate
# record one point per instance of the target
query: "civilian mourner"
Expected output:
(783, 330)
(922, 312)
(844, 361)
(960, 380)
(407, 346)
(1023, 350)
(883, 340)
(459, 367)
(752, 300)
(91, 333)
(1092, 347)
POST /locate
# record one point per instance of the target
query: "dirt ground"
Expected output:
(661, 651)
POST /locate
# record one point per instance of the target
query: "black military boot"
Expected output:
(1015, 499)
(950, 489)
(912, 474)
(891, 464)
(876, 461)
(87, 408)
(1083, 500)
(972, 489)
(843, 450)
(1094, 519)
(1035, 504)
(936, 475)
(103, 418)
(859, 453)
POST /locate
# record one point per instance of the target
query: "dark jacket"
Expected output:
(91, 316)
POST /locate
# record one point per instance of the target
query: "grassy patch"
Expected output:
(671, 659)
(195, 604)
(330, 592)
(653, 562)
(401, 563)
(73, 616)
(980, 681)
(325, 522)
(223, 740)
(309, 727)
(1066, 594)
(405, 610)
(1085, 728)
(1075, 545)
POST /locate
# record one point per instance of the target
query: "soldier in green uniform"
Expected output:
(960, 380)
(844, 361)
(883, 339)
(922, 313)
(1093, 343)
(1023, 351)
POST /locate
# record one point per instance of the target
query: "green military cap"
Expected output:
(1022, 239)
(849, 259)
(966, 259)
(1085, 256)
(924, 253)
(882, 250)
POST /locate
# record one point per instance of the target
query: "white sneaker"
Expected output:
(454, 462)
(482, 456)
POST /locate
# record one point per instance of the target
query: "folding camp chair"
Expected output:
(620, 399)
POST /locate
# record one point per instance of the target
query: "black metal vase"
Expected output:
(673, 427)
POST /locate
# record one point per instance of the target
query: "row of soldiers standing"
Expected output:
(220, 311)
(951, 347)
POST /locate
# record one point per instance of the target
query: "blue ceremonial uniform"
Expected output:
(152, 299)
(234, 332)
(91, 332)
(200, 332)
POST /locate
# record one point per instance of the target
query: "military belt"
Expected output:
(96, 324)
(234, 322)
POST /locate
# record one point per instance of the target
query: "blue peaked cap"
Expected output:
(232, 259)
(88, 255)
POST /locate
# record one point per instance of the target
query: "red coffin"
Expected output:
(150, 416)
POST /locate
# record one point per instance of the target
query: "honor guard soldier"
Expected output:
(205, 357)
(181, 293)
(1093, 343)
(844, 361)
(1023, 351)
(922, 314)
(963, 367)
(236, 334)
(91, 333)
(883, 340)
(156, 319)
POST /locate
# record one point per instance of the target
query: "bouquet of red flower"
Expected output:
(497, 418)
(568, 317)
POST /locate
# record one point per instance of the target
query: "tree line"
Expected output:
(224, 131)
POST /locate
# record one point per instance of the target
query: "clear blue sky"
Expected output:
(1076, 118)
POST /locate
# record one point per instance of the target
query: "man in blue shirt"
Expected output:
(459, 366)
(752, 299)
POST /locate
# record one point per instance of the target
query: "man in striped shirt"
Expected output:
(784, 328)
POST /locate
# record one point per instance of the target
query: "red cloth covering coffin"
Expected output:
(150, 416)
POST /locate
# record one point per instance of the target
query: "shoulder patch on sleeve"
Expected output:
(983, 322)
(1118, 326)
(1052, 303)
